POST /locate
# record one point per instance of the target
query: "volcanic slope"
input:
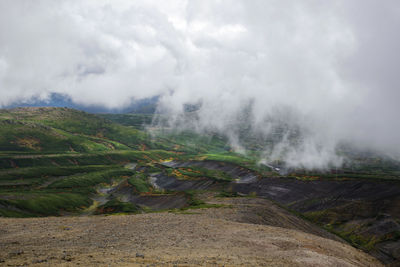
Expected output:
(231, 235)
(59, 161)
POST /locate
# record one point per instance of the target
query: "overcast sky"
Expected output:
(334, 64)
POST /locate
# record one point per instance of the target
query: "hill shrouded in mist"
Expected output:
(265, 130)
(324, 69)
(65, 162)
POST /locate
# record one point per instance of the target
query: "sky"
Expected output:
(328, 68)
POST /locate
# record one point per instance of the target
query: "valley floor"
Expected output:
(242, 232)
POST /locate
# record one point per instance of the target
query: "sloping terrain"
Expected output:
(365, 213)
(61, 130)
(63, 162)
(220, 236)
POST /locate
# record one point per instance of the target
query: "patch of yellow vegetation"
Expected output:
(142, 147)
(177, 147)
(179, 175)
(92, 208)
(28, 142)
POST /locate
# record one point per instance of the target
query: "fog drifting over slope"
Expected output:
(327, 68)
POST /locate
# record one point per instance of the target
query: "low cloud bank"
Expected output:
(326, 72)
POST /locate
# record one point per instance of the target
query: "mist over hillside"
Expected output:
(229, 132)
(143, 106)
(65, 162)
(325, 71)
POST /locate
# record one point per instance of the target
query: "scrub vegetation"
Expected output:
(62, 162)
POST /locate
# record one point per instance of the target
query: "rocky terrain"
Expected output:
(214, 206)
(365, 213)
(244, 231)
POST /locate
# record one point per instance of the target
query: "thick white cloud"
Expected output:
(332, 65)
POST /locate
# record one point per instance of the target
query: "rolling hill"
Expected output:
(65, 162)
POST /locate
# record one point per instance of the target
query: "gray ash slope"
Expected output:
(366, 209)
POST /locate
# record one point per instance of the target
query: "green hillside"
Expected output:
(55, 161)
(60, 162)
(49, 130)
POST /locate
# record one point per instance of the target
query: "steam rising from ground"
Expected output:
(326, 72)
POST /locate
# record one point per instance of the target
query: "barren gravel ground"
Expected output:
(230, 236)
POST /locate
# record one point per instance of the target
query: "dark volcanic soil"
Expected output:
(369, 209)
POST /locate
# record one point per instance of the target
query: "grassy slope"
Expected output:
(51, 159)
(45, 130)
(49, 156)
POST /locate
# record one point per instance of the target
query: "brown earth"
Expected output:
(242, 232)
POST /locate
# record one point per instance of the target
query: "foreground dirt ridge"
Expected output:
(212, 237)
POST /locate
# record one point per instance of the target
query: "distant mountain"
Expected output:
(144, 106)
